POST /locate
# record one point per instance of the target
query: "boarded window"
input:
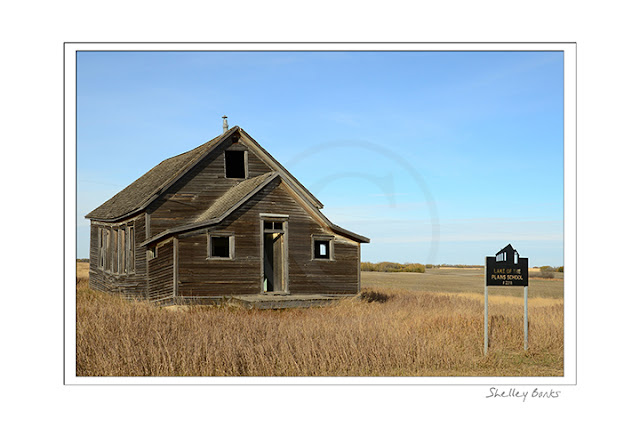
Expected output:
(234, 164)
(131, 260)
(121, 250)
(100, 249)
(105, 234)
(127, 245)
(114, 250)
(109, 249)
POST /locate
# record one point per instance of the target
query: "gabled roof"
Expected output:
(508, 249)
(235, 196)
(139, 194)
(142, 191)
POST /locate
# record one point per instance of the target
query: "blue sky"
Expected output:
(438, 157)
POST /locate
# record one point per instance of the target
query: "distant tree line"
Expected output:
(407, 267)
(392, 267)
(545, 271)
(552, 268)
(457, 265)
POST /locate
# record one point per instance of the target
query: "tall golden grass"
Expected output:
(409, 334)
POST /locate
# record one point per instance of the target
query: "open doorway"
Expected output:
(274, 255)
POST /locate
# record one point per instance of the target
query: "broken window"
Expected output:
(276, 226)
(113, 267)
(107, 250)
(221, 246)
(100, 248)
(121, 250)
(130, 243)
(322, 248)
(234, 164)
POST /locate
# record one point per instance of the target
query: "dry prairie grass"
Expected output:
(460, 281)
(409, 334)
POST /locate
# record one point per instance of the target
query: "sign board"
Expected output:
(506, 268)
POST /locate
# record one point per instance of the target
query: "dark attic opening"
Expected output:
(234, 164)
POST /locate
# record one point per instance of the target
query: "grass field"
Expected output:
(431, 324)
(461, 281)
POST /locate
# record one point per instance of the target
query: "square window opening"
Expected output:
(220, 246)
(321, 250)
(234, 164)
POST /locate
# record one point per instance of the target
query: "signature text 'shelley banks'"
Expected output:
(523, 394)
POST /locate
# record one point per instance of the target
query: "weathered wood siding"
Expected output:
(202, 277)
(161, 274)
(199, 188)
(132, 284)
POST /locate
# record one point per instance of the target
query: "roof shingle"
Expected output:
(233, 196)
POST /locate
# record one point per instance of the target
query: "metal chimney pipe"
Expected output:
(225, 126)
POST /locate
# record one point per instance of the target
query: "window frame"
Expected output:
(100, 249)
(232, 245)
(130, 254)
(121, 250)
(330, 246)
(108, 249)
(246, 164)
(113, 267)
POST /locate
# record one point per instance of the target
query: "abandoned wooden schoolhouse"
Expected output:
(222, 220)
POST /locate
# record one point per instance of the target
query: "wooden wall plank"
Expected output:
(131, 285)
(198, 189)
(202, 277)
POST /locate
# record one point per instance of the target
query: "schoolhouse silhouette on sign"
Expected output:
(507, 254)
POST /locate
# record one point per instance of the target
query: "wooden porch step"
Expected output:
(285, 301)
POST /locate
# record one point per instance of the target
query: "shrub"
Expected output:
(546, 274)
(373, 296)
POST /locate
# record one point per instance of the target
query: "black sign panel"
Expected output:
(507, 269)
(507, 274)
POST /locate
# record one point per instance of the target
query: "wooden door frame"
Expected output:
(284, 219)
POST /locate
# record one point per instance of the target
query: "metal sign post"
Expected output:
(507, 268)
(526, 318)
(486, 309)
